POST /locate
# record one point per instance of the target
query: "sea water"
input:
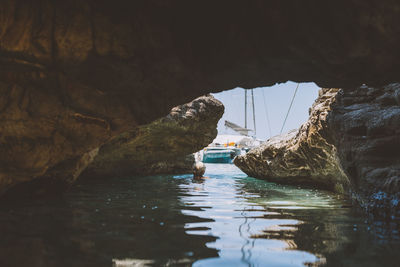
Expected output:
(225, 219)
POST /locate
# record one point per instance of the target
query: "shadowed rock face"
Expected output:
(305, 156)
(365, 128)
(162, 146)
(74, 74)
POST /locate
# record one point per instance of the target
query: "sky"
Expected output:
(277, 99)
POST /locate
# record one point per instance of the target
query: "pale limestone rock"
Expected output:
(300, 157)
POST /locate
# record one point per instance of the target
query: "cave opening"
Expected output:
(271, 106)
(253, 116)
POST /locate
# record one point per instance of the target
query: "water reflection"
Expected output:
(237, 221)
(127, 221)
(226, 220)
(264, 224)
(337, 235)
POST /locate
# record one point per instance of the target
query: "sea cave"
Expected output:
(104, 103)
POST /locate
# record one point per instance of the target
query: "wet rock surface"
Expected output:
(164, 145)
(302, 157)
(365, 127)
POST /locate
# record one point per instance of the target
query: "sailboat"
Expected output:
(248, 141)
(226, 147)
(220, 154)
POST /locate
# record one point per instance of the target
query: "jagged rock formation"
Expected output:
(162, 146)
(365, 128)
(303, 156)
(351, 141)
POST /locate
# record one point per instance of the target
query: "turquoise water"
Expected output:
(228, 219)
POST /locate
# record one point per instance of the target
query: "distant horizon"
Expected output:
(277, 99)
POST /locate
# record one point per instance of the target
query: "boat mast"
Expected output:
(254, 113)
(290, 107)
(266, 113)
(245, 108)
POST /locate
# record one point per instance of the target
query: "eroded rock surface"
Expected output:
(365, 127)
(163, 145)
(351, 141)
(304, 156)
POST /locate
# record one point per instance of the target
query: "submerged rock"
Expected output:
(199, 168)
(163, 145)
(301, 157)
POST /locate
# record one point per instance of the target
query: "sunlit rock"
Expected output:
(350, 144)
(301, 156)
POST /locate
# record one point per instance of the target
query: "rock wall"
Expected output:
(301, 157)
(75, 74)
(350, 144)
(365, 127)
(163, 145)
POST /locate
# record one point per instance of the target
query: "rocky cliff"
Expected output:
(304, 156)
(163, 145)
(365, 127)
(350, 144)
